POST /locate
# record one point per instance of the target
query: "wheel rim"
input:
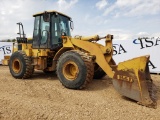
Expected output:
(16, 65)
(70, 70)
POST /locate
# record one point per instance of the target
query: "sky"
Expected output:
(125, 19)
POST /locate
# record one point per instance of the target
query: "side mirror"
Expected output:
(46, 16)
(71, 25)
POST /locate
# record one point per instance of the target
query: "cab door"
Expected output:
(41, 33)
(56, 40)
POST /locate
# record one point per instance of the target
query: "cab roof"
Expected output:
(52, 11)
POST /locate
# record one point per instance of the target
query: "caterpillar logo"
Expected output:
(125, 78)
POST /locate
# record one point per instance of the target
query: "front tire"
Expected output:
(74, 69)
(20, 65)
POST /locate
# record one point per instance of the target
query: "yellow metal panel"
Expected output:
(138, 63)
(67, 42)
(5, 61)
(15, 47)
(40, 62)
(61, 51)
(7, 57)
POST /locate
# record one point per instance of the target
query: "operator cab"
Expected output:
(49, 26)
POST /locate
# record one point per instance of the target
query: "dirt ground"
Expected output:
(44, 98)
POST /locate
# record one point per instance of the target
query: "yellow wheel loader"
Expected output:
(78, 60)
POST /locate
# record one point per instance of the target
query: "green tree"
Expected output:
(13, 40)
(8, 40)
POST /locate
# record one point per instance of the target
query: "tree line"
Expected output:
(8, 40)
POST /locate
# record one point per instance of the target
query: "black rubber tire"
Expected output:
(85, 67)
(98, 72)
(25, 70)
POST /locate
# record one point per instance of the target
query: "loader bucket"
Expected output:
(132, 79)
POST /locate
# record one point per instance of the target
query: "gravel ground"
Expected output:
(44, 98)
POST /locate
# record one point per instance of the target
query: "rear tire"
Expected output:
(74, 69)
(20, 65)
